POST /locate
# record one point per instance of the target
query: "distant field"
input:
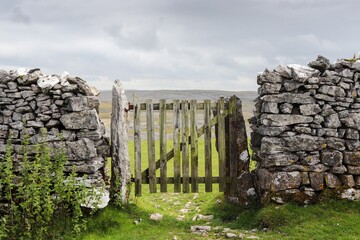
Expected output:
(180, 94)
(247, 98)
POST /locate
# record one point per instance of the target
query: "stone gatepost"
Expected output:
(120, 163)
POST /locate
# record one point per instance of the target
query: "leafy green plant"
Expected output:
(42, 201)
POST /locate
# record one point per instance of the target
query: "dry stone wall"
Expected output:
(306, 130)
(66, 107)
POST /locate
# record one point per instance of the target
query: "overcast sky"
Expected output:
(174, 44)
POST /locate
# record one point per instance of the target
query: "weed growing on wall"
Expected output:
(41, 200)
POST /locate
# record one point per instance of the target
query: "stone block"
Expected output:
(310, 109)
(347, 180)
(286, 108)
(317, 180)
(288, 134)
(334, 91)
(297, 98)
(270, 77)
(331, 158)
(331, 180)
(353, 170)
(318, 119)
(352, 145)
(352, 158)
(246, 189)
(295, 167)
(35, 124)
(318, 168)
(93, 135)
(77, 104)
(23, 109)
(327, 132)
(83, 149)
(90, 167)
(311, 159)
(270, 88)
(332, 121)
(357, 181)
(324, 97)
(16, 125)
(283, 71)
(352, 134)
(52, 123)
(270, 107)
(292, 85)
(278, 120)
(305, 130)
(13, 134)
(281, 159)
(281, 181)
(263, 178)
(335, 143)
(339, 169)
(352, 121)
(272, 145)
(271, 131)
(87, 119)
(304, 142)
(305, 180)
(3, 134)
(302, 73)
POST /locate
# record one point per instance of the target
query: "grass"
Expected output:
(331, 219)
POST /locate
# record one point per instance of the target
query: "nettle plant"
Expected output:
(41, 201)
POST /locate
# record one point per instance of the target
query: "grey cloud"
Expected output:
(18, 16)
(138, 37)
(224, 43)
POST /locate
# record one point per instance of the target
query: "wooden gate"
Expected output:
(185, 152)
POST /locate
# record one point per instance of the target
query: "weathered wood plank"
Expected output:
(120, 161)
(170, 154)
(221, 143)
(151, 145)
(184, 145)
(170, 180)
(169, 106)
(137, 148)
(194, 147)
(207, 146)
(176, 138)
(163, 160)
(232, 148)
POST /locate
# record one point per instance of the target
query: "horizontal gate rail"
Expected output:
(170, 180)
(170, 106)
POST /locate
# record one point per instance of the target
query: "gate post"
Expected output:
(120, 162)
(237, 155)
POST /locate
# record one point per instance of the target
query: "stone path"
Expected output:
(191, 211)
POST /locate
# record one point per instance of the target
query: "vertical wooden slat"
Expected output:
(163, 160)
(194, 148)
(207, 143)
(221, 143)
(137, 147)
(233, 171)
(177, 176)
(151, 145)
(184, 145)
